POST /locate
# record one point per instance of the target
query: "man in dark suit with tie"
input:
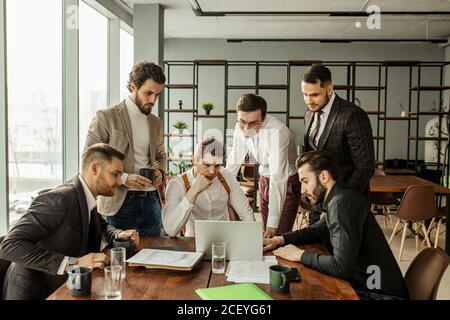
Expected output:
(339, 127)
(62, 229)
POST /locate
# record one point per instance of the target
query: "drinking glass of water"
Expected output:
(219, 250)
(118, 258)
(113, 282)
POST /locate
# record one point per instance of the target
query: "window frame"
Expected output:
(70, 92)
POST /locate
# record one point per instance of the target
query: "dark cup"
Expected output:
(148, 173)
(280, 278)
(124, 243)
(79, 281)
(294, 275)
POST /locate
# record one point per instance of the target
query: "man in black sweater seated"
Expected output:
(359, 250)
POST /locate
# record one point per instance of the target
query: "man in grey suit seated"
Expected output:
(358, 249)
(62, 228)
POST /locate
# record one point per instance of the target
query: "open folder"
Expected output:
(165, 259)
(242, 291)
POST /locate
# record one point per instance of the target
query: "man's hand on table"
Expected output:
(289, 252)
(272, 243)
(93, 260)
(269, 232)
(133, 234)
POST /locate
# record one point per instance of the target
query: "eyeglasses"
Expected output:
(252, 124)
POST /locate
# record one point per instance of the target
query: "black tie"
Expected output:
(93, 237)
(314, 131)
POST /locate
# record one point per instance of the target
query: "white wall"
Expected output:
(212, 78)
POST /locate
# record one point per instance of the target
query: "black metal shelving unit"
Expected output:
(416, 92)
(380, 110)
(383, 113)
(169, 109)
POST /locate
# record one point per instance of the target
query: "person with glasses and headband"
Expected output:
(270, 143)
(204, 193)
(358, 249)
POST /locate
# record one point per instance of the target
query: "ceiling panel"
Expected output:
(321, 5)
(181, 22)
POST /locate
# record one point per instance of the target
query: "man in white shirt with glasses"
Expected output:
(270, 143)
(206, 192)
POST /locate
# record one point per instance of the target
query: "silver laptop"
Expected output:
(244, 238)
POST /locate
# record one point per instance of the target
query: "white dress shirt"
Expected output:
(141, 140)
(323, 119)
(91, 204)
(211, 204)
(274, 149)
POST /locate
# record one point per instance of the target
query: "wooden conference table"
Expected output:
(399, 183)
(147, 284)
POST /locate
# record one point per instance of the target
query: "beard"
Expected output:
(320, 107)
(328, 98)
(318, 193)
(103, 189)
(141, 106)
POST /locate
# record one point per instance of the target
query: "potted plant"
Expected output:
(180, 125)
(208, 106)
(170, 173)
(183, 153)
(182, 166)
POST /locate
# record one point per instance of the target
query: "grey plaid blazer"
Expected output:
(348, 137)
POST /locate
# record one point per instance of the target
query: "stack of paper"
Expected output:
(165, 259)
(250, 271)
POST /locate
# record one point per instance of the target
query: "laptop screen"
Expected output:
(244, 238)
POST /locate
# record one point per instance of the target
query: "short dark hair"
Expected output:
(250, 102)
(317, 72)
(144, 70)
(319, 160)
(209, 145)
(101, 152)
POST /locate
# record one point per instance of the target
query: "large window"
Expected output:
(126, 61)
(93, 66)
(34, 52)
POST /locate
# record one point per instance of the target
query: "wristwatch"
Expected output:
(72, 261)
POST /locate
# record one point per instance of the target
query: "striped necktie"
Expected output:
(315, 130)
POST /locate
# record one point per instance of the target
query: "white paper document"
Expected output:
(178, 259)
(250, 271)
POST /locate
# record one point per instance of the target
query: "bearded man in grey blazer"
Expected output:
(133, 130)
(62, 229)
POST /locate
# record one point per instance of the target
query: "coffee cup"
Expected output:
(124, 243)
(280, 278)
(79, 281)
(149, 173)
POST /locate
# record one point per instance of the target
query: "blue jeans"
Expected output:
(142, 213)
